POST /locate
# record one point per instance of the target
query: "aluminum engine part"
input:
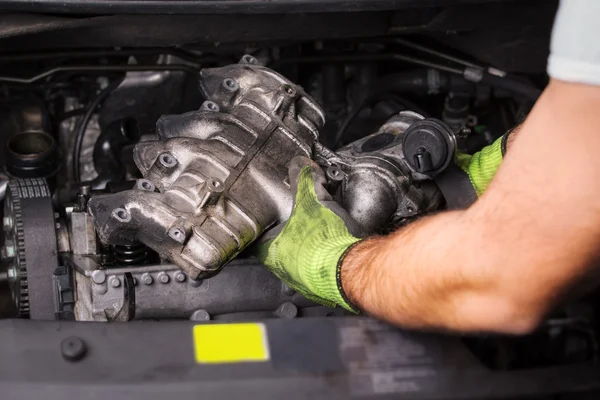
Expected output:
(164, 291)
(221, 172)
(376, 185)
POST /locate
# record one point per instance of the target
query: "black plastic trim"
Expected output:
(220, 6)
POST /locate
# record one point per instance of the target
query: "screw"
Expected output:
(286, 310)
(163, 277)
(167, 160)
(98, 277)
(200, 315)
(147, 279)
(180, 277)
(335, 173)
(248, 59)
(410, 210)
(7, 222)
(73, 349)
(114, 282)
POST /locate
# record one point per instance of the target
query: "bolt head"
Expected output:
(147, 279)
(115, 282)
(163, 277)
(7, 222)
(73, 349)
(98, 277)
(200, 315)
(180, 277)
(287, 310)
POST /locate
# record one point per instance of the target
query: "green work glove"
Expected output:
(306, 251)
(482, 166)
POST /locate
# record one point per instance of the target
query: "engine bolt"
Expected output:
(200, 315)
(7, 222)
(8, 251)
(335, 173)
(248, 59)
(180, 277)
(98, 277)
(114, 282)
(167, 160)
(73, 349)
(163, 277)
(286, 310)
(147, 279)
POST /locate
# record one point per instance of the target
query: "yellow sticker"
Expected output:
(230, 343)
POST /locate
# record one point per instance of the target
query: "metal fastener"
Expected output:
(180, 277)
(200, 315)
(248, 59)
(98, 277)
(286, 310)
(73, 348)
(147, 279)
(7, 222)
(163, 277)
(335, 173)
(114, 282)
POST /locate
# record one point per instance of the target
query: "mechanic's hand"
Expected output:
(482, 166)
(306, 251)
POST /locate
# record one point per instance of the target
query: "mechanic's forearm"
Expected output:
(420, 277)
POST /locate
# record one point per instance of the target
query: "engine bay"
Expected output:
(137, 180)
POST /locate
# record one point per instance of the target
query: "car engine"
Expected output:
(211, 182)
(136, 180)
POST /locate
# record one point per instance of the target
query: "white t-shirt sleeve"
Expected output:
(575, 48)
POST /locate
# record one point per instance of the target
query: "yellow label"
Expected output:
(230, 343)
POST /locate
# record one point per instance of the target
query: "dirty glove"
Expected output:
(482, 166)
(306, 251)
